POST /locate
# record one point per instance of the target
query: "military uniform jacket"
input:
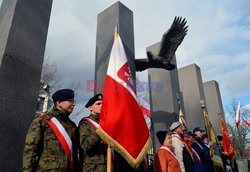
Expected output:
(42, 150)
(93, 150)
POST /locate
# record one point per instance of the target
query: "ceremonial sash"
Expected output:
(189, 150)
(94, 124)
(196, 155)
(199, 145)
(177, 136)
(167, 149)
(62, 137)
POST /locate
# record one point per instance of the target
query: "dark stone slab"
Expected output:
(163, 99)
(192, 90)
(23, 32)
(214, 103)
(120, 15)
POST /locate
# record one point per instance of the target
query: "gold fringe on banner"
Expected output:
(115, 145)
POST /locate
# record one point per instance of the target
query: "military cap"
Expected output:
(93, 100)
(161, 135)
(220, 137)
(197, 129)
(175, 125)
(62, 95)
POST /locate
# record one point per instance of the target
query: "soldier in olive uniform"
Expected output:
(93, 150)
(43, 151)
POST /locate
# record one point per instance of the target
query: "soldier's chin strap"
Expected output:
(62, 137)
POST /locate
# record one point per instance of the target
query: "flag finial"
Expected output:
(116, 29)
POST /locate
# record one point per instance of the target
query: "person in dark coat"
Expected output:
(197, 160)
(227, 163)
(202, 150)
(188, 158)
(206, 143)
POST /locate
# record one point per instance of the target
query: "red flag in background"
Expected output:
(122, 124)
(227, 143)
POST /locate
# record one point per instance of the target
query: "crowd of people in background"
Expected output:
(185, 151)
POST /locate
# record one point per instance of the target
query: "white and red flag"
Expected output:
(247, 121)
(238, 115)
(122, 124)
(182, 119)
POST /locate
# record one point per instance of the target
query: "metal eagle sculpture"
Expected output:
(168, 46)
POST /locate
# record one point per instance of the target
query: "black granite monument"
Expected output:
(23, 33)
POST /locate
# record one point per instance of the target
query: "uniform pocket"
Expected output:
(48, 164)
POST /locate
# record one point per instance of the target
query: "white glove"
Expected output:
(209, 144)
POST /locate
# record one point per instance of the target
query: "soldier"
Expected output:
(93, 152)
(51, 141)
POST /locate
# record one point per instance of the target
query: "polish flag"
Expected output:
(122, 124)
(247, 122)
(238, 115)
(182, 119)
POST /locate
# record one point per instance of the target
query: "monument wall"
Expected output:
(116, 15)
(164, 87)
(192, 90)
(214, 103)
(23, 33)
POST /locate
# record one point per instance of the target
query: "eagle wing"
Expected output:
(173, 38)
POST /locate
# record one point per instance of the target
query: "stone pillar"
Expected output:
(164, 85)
(214, 103)
(23, 32)
(120, 15)
(192, 90)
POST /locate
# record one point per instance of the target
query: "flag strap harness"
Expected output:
(62, 137)
(196, 155)
(94, 124)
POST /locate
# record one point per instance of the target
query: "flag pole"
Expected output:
(109, 159)
(203, 107)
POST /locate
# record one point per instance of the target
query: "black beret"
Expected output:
(161, 135)
(62, 95)
(93, 100)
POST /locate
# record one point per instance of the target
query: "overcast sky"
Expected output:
(218, 39)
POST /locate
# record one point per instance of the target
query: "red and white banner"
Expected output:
(238, 115)
(247, 122)
(122, 124)
(63, 138)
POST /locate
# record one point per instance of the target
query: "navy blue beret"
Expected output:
(62, 95)
(93, 100)
(220, 137)
(197, 129)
